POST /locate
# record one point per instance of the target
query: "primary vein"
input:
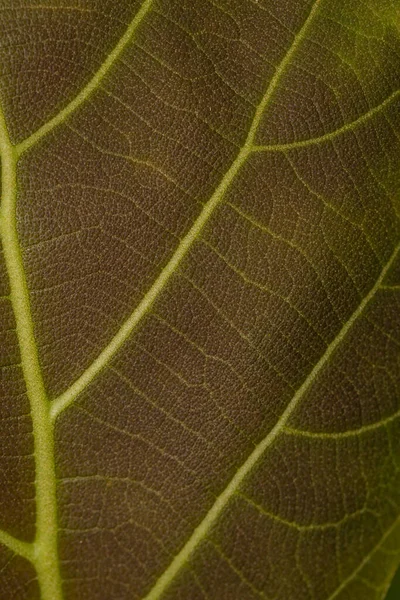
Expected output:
(45, 550)
(247, 467)
(143, 308)
(93, 84)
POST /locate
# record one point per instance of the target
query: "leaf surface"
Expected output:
(199, 310)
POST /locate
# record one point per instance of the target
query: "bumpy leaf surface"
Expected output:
(200, 308)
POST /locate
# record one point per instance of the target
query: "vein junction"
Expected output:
(234, 485)
(43, 552)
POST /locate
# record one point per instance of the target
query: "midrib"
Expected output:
(44, 550)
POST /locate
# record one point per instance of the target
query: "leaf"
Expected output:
(200, 299)
(394, 587)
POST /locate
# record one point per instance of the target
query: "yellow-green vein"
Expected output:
(365, 561)
(93, 84)
(45, 550)
(202, 530)
(299, 526)
(337, 435)
(328, 137)
(68, 397)
(17, 546)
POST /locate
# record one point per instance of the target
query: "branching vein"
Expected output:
(392, 529)
(104, 358)
(17, 546)
(201, 532)
(43, 552)
(93, 84)
(328, 137)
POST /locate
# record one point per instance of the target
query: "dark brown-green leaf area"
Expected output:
(199, 299)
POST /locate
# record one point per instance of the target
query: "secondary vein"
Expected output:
(337, 435)
(366, 559)
(328, 137)
(143, 308)
(93, 84)
(25, 549)
(247, 467)
(45, 551)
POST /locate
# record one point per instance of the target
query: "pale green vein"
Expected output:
(311, 526)
(68, 397)
(327, 137)
(337, 435)
(365, 561)
(203, 529)
(45, 545)
(93, 84)
(247, 582)
(17, 546)
(393, 288)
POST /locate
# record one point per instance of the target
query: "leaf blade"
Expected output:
(234, 485)
(299, 238)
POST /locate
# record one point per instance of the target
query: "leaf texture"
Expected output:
(200, 309)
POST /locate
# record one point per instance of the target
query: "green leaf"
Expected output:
(199, 299)
(394, 588)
